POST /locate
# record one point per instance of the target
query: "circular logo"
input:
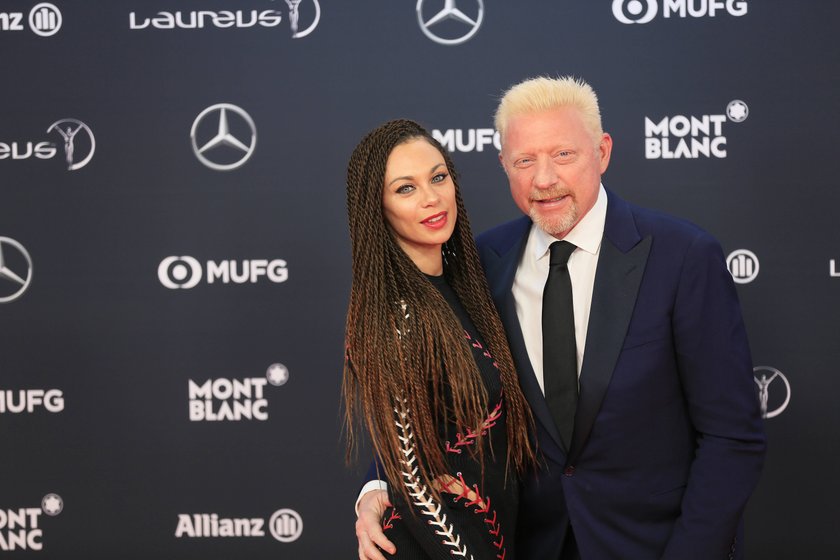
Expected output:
(285, 525)
(15, 269)
(773, 390)
(52, 504)
(634, 11)
(450, 25)
(69, 130)
(742, 265)
(45, 19)
(294, 18)
(277, 374)
(179, 272)
(230, 133)
(737, 111)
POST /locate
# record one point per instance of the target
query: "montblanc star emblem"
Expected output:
(227, 151)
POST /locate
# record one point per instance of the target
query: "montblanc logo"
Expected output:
(467, 140)
(44, 20)
(20, 528)
(691, 136)
(644, 11)
(76, 139)
(453, 22)
(773, 390)
(743, 265)
(285, 525)
(15, 269)
(221, 399)
(186, 272)
(303, 19)
(25, 401)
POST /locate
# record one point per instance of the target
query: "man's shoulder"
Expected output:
(501, 237)
(670, 232)
(657, 222)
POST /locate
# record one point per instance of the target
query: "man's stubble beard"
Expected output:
(555, 225)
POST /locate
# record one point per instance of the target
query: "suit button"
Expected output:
(570, 470)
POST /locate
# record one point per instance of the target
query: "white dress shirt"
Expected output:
(532, 274)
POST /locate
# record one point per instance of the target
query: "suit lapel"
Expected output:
(500, 274)
(621, 265)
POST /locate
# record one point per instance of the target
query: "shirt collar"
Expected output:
(586, 235)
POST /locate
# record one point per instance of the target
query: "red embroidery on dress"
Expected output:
(389, 524)
(469, 439)
(481, 504)
(482, 507)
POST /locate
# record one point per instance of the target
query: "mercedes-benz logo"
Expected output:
(764, 376)
(637, 11)
(463, 30)
(69, 130)
(14, 280)
(228, 151)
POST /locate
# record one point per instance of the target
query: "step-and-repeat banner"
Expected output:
(174, 259)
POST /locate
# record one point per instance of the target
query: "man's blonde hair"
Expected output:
(540, 94)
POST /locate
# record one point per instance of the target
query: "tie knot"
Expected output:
(560, 252)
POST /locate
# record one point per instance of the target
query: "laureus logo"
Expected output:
(773, 390)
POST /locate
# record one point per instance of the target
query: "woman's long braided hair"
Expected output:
(404, 346)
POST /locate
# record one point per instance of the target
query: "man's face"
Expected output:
(554, 167)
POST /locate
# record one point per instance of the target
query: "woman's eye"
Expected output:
(404, 189)
(439, 177)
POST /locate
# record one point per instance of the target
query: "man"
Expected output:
(665, 441)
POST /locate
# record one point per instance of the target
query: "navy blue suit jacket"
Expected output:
(668, 441)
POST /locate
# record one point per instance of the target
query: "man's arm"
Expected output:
(716, 373)
(370, 509)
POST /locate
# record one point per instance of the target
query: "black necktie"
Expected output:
(559, 348)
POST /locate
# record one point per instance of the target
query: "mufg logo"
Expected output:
(465, 140)
(185, 272)
(644, 11)
(743, 265)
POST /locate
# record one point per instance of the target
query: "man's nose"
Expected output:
(544, 174)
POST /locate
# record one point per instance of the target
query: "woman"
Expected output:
(428, 372)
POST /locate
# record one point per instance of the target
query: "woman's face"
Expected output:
(419, 202)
